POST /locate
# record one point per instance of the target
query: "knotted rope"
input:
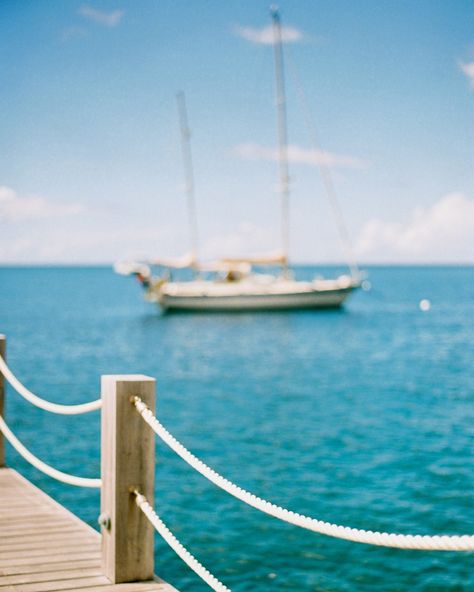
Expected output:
(177, 547)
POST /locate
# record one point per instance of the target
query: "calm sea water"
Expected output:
(363, 416)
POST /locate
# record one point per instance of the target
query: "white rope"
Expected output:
(384, 539)
(42, 466)
(177, 547)
(41, 403)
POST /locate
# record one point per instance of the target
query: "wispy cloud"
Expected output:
(468, 70)
(247, 239)
(300, 155)
(71, 33)
(85, 239)
(443, 232)
(106, 19)
(14, 207)
(265, 36)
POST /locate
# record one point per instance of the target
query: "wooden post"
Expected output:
(3, 353)
(127, 461)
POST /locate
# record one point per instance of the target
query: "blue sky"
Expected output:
(91, 165)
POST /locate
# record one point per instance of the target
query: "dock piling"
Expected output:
(3, 352)
(127, 463)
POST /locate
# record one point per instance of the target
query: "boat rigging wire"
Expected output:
(324, 171)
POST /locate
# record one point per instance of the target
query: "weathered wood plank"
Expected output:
(47, 551)
(14, 502)
(47, 542)
(84, 554)
(31, 510)
(147, 586)
(32, 519)
(31, 569)
(9, 504)
(44, 523)
(45, 536)
(69, 584)
(51, 576)
(12, 530)
(45, 527)
(17, 500)
(4, 518)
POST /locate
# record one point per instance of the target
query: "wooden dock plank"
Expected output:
(6, 512)
(85, 554)
(155, 586)
(68, 584)
(45, 548)
(37, 568)
(47, 532)
(36, 537)
(34, 532)
(50, 576)
(51, 546)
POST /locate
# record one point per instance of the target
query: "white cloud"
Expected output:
(72, 33)
(441, 233)
(297, 154)
(247, 239)
(265, 35)
(107, 19)
(14, 207)
(91, 239)
(468, 70)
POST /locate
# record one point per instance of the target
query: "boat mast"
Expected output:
(189, 174)
(282, 135)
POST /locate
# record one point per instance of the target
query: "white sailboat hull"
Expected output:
(247, 296)
(256, 302)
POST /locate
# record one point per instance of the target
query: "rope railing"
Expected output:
(123, 396)
(42, 466)
(42, 403)
(177, 547)
(384, 539)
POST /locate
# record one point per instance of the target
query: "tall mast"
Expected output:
(189, 174)
(282, 135)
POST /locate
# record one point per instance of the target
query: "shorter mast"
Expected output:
(189, 175)
(282, 136)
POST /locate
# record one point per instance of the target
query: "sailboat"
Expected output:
(234, 284)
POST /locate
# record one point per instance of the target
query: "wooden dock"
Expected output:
(44, 547)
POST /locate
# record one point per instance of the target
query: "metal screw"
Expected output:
(104, 520)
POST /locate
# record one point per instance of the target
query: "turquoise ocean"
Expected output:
(362, 416)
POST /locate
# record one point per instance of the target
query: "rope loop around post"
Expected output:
(177, 547)
(42, 403)
(42, 466)
(383, 539)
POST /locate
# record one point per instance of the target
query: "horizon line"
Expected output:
(7, 264)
